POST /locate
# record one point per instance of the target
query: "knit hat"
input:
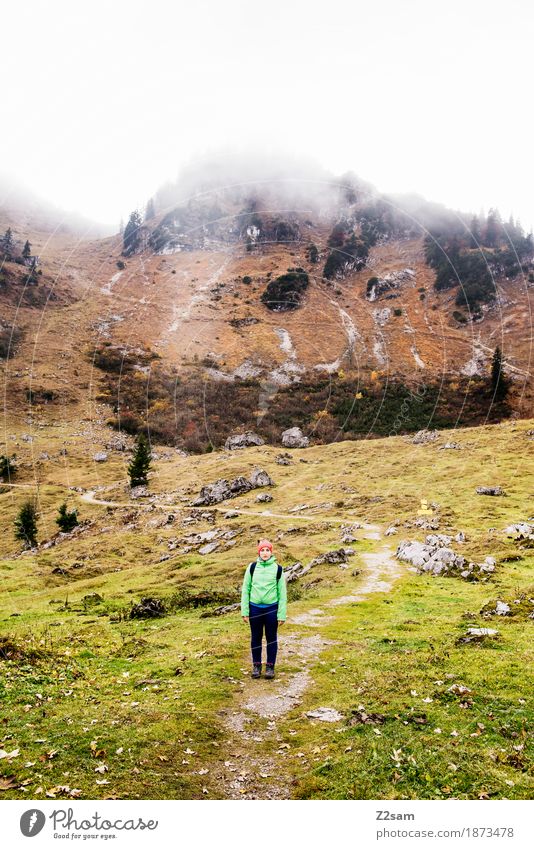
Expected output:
(264, 543)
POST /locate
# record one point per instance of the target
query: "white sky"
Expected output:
(101, 103)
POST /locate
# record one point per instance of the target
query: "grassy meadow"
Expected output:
(95, 704)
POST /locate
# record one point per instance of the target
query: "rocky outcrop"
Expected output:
(294, 438)
(489, 490)
(520, 530)
(422, 437)
(222, 489)
(435, 557)
(377, 286)
(243, 440)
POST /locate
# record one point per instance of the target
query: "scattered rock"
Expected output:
(339, 555)
(260, 478)
(391, 530)
(147, 608)
(459, 690)
(264, 497)
(294, 438)
(489, 490)
(44, 456)
(450, 445)
(434, 556)
(283, 459)
(243, 440)
(209, 548)
(100, 457)
(221, 611)
(325, 714)
(519, 531)
(139, 492)
(460, 537)
(231, 514)
(422, 437)
(477, 635)
(117, 443)
(91, 598)
(213, 493)
(520, 607)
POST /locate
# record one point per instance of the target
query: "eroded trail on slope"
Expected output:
(250, 774)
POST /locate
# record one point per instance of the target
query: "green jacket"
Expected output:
(263, 588)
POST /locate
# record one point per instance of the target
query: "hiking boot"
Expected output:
(269, 670)
(256, 670)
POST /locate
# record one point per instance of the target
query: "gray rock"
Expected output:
(231, 514)
(100, 457)
(243, 440)
(489, 490)
(451, 446)
(336, 556)
(264, 497)
(260, 478)
(521, 530)
(294, 438)
(138, 492)
(207, 549)
(283, 459)
(117, 443)
(482, 632)
(436, 558)
(325, 714)
(460, 537)
(502, 609)
(391, 530)
(422, 437)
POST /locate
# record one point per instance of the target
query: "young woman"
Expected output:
(263, 605)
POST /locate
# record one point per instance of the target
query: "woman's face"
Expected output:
(265, 553)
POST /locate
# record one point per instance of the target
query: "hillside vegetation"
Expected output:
(98, 704)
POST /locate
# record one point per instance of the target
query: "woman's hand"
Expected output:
(281, 621)
(245, 618)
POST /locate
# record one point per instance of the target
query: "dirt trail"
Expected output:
(247, 775)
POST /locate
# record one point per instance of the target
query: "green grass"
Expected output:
(75, 668)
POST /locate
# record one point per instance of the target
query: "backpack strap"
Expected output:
(279, 571)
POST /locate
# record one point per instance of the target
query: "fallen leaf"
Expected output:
(13, 754)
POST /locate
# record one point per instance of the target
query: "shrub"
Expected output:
(26, 524)
(66, 519)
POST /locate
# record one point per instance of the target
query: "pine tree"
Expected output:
(26, 524)
(131, 233)
(313, 253)
(499, 383)
(27, 250)
(7, 469)
(7, 243)
(66, 519)
(475, 236)
(139, 466)
(150, 211)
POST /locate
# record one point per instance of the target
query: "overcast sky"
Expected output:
(101, 103)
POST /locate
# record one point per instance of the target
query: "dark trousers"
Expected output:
(261, 618)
